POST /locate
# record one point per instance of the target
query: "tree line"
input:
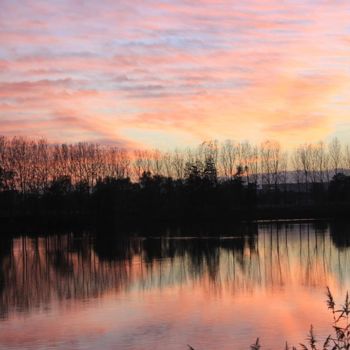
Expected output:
(29, 165)
(216, 176)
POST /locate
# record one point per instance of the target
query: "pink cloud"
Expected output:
(207, 69)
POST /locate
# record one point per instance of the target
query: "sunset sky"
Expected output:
(151, 73)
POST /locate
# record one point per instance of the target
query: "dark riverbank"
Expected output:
(115, 202)
(208, 224)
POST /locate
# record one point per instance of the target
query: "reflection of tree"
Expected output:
(5, 252)
(340, 232)
(36, 271)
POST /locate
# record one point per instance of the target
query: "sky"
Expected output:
(174, 73)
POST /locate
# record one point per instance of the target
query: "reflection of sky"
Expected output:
(177, 70)
(172, 292)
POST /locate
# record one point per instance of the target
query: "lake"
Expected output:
(88, 291)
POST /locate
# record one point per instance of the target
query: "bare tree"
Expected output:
(304, 153)
(167, 164)
(270, 157)
(335, 154)
(178, 164)
(347, 157)
(297, 168)
(254, 165)
(19, 158)
(321, 159)
(227, 157)
(156, 162)
(39, 165)
(117, 163)
(245, 156)
(33, 164)
(142, 163)
(283, 169)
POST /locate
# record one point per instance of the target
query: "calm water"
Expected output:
(78, 292)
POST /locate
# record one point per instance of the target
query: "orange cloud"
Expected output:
(187, 71)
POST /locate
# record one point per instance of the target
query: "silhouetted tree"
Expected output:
(210, 172)
(210, 180)
(339, 188)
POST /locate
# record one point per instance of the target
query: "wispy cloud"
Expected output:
(174, 69)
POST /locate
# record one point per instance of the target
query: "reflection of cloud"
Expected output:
(130, 292)
(207, 69)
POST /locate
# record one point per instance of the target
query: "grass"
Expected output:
(339, 339)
